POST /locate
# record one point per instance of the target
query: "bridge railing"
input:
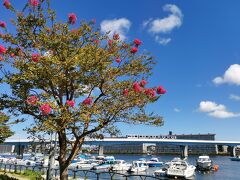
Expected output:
(77, 173)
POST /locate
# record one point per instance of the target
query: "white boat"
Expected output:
(161, 172)
(138, 166)
(180, 168)
(106, 164)
(84, 164)
(3, 159)
(204, 163)
(154, 162)
(121, 165)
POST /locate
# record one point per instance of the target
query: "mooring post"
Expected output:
(100, 150)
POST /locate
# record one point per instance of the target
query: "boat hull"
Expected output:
(181, 173)
(235, 159)
(204, 165)
(155, 164)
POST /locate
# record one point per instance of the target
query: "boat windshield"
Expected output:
(203, 159)
(179, 166)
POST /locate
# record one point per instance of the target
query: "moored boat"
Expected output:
(161, 172)
(106, 164)
(180, 168)
(138, 166)
(204, 163)
(154, 162)
(121, 165)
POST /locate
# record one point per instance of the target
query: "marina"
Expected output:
(134, 166)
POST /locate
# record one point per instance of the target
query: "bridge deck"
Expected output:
(109, 141)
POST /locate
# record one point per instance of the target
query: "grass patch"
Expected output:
(32, 174)
(27, 174)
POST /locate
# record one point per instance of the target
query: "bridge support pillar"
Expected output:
(184, 151)
(19, 150)
(100, 150)
(232, 150)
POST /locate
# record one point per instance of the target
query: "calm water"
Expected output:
(228, 170)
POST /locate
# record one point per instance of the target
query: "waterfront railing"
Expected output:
(77, 173)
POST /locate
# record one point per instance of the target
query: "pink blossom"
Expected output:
(3, 24)
(88, 101)
(32, 100)
(143, 82)
(35, 57)
(150, 92)
(70, 103)
(137, 42)
(34, 3)
(116, 37)
(110, 42)
(125, 92)
(161, 90)
(136, 87)
(134, 50)
(2, 50)
(12, 55)
(45, 108)
(7, 4)
(72, 18)
(118, 60)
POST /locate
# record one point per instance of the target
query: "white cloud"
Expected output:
(176, 110)
(208, 106)
(120, 26)
(234, 97)
(165, 25)
(231, 76)
(216, 110)
(223, 114)
(163, 41)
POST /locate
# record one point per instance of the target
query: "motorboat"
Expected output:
(106, 164)
(142, 159)
(180, 168)
(236, 158)
(160, 172)
(80, 158)
(154, 162)
(121, 165)
(204, 163)
(138, 166)
(3, 159)
(87, 165)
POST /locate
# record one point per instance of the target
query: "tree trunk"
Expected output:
(62, 155)
(63, 173)
(63, 160)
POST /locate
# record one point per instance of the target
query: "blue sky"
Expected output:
(199, 41)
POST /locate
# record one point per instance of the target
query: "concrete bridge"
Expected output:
(115, 141)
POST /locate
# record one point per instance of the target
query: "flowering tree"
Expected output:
(75, 82)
